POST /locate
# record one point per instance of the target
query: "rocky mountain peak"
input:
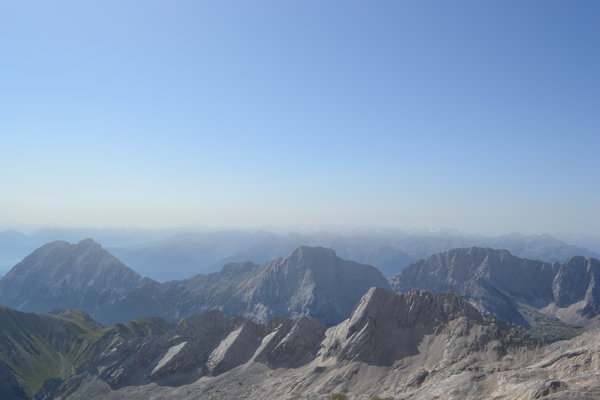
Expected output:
(310, 255)
(385, 327)
(417, 308)
(89, 243)
(64, 275)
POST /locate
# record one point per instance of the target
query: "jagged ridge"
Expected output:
(500, 283)
(384, 328)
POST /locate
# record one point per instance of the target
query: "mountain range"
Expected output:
(187, 254)
(306, 325)
(170, 254)
(309, 281)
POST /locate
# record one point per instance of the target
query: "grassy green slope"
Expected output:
(40, 346)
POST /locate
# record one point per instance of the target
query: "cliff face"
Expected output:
(385, 328)
(497, 282)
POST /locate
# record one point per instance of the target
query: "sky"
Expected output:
(482, 116)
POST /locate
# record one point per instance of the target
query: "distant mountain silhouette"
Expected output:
(167, 254)
(187, 254)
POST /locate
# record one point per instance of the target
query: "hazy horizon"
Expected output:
(291, 229)
(478, 116)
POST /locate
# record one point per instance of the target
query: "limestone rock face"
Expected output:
(497, 282)
(290, 343)
(577, 280)
(385, 327)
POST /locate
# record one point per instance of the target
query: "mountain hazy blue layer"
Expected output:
(184, 255)
(168, 254)
(309, 281)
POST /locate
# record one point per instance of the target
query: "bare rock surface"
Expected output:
(408, 346)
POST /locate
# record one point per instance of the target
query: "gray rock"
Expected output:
(497, 282)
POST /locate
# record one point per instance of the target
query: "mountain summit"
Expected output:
(64, 275)
(310, 281)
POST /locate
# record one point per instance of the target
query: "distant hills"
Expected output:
(184, 255)
(170, 254)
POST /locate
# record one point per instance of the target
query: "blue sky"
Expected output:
(476, 115)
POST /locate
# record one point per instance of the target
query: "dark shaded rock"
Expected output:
(9, 386)
(550, 387)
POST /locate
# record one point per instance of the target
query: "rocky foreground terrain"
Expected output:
(408, 346)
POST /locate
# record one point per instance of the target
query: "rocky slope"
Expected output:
(385, 330)
(408, 346)
(35, 347)
(309, 281)
(513, 288)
